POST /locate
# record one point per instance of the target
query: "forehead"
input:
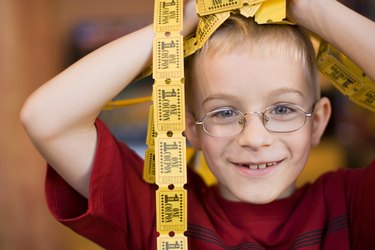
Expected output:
(241, 78)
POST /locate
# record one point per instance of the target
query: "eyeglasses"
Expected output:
(280, 118)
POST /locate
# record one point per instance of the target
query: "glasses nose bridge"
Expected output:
(260, 114)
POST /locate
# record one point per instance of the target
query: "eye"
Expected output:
(224, 115)
(282, 110)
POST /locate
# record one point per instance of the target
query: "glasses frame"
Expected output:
(261, 114)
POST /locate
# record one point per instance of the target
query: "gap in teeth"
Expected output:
(260, 166)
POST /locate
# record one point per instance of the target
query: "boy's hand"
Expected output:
(190, 18)
(299, 10)
(347, 30)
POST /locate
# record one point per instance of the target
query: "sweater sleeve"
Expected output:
(115, 209)
(360, 190)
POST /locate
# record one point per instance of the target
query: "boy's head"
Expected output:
(253, 108)
(243, 34)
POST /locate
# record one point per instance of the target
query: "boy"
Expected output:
(254, 111)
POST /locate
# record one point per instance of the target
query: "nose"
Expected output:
(254, 135)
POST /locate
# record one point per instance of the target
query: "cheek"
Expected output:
(213, 151)
(210, 148)
(299, 145)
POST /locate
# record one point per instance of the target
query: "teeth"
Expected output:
(271, 164)
(259, 166)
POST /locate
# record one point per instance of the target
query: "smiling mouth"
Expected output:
(257, 166)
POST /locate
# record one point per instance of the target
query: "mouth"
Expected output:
(257, 169)
(257, 166)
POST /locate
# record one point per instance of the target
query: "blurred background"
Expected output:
(39, 38)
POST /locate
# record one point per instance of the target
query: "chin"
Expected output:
(259, 200)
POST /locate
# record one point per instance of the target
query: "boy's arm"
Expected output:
(350, 32)
(59, 117)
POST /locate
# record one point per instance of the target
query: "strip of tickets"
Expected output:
(165, 160)
(178, 242)
(171, 216)
(347, 77)
(172, 164)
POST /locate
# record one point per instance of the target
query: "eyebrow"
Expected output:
(280, 91)
(218, 97)
(286, 90)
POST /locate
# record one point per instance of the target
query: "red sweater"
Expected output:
(336, 212)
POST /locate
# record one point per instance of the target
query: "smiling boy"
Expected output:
(253, 109)
(271, 70)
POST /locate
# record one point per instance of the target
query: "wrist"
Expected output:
(304, 12)
(190, 18)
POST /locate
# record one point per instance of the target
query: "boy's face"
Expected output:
(250, 83)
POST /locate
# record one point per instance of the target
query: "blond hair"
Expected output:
(265, 40)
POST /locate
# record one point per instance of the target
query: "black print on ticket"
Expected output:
(171, 208)
(170, 159)
(169, 107)
(168, 62)
(168, 18)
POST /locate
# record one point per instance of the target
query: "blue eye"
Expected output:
(223, 116)
(282, 110)
(224, 113)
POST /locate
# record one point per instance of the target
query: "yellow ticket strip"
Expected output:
(170, 155)
(208, 7)
(178, 242)
(168, 16)
(124, 103)
(212, 13)
(169, 109)
(149, 162)
(272, 11)
(165, 160)
(207, 26)
(172, 211)
(347, 77)
(168, 61)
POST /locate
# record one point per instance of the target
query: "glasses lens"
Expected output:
(284, 118)
(223, 122)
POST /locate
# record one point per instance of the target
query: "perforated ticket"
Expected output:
(177, 242)
(252, 2)
(207, 26)
(206, 7)
(272, 11)
(171, 207)
(366, 98)
(347, 77)
(168, 16)
(250, 10)
(169, 59)
(170, 161)
(190, 46)
(149, 166)
(168, 119)
(151, 133)
(341, 77)
(169, 107)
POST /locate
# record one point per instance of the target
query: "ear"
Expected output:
(192, 132)
(322, 113)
